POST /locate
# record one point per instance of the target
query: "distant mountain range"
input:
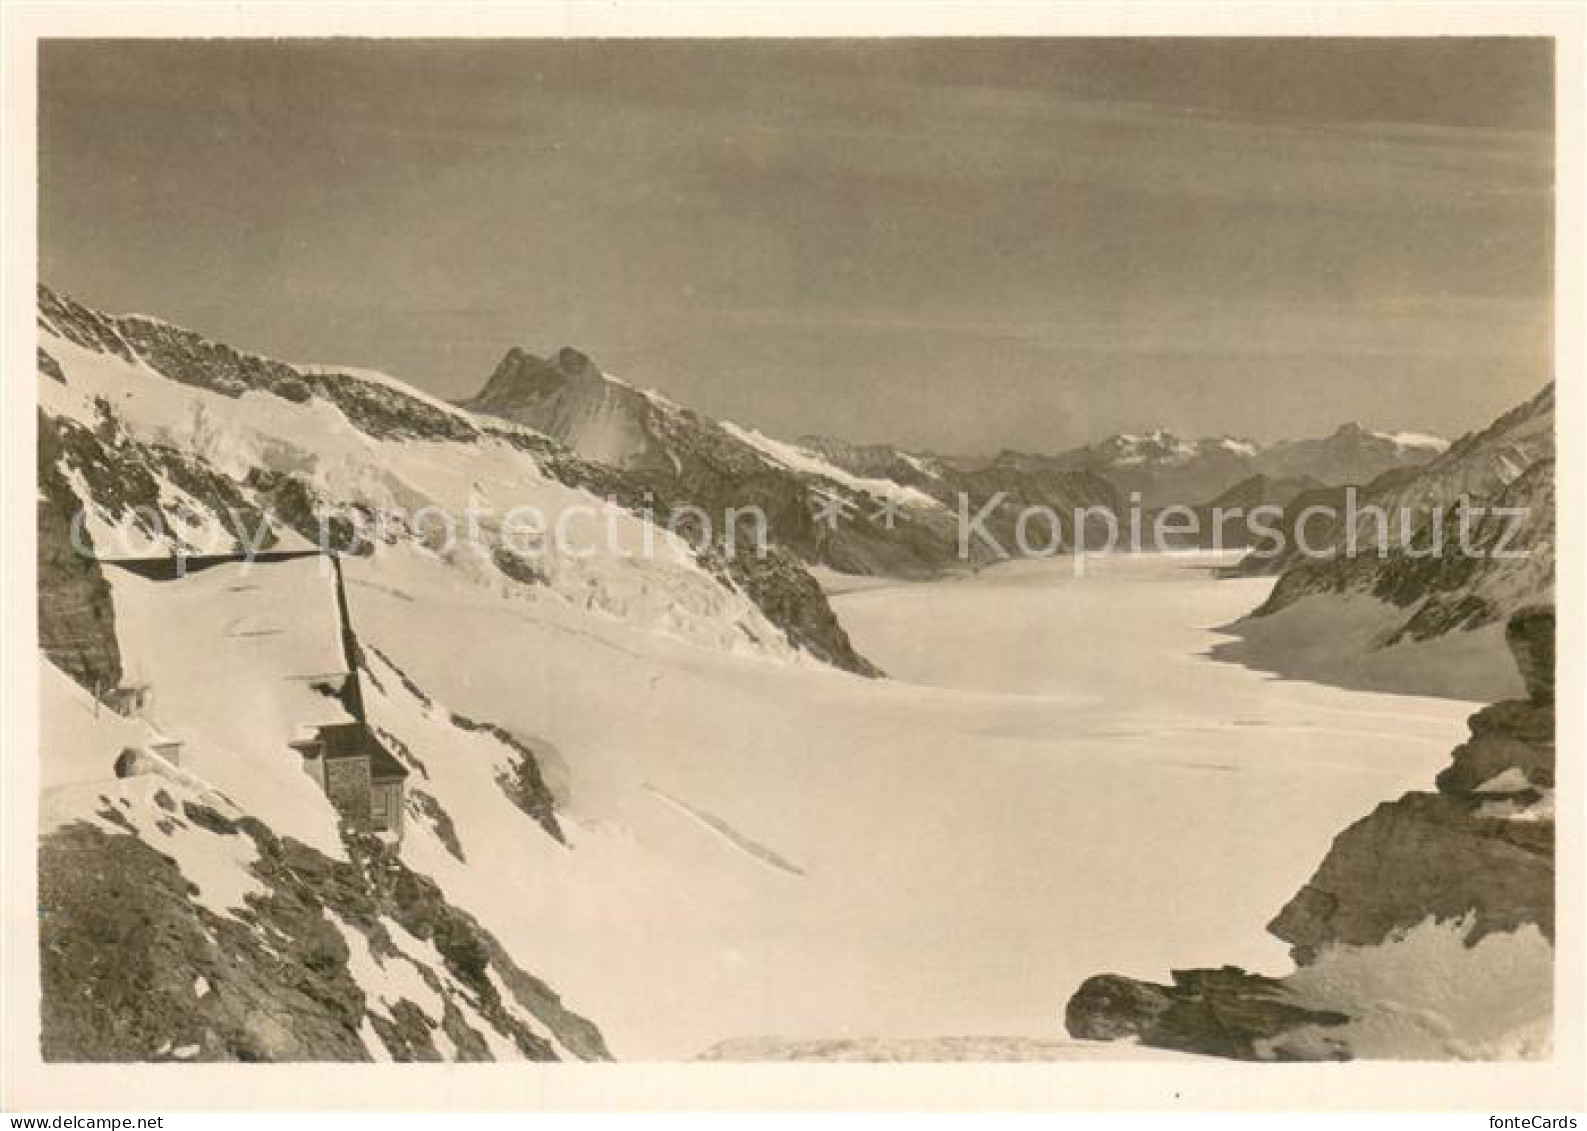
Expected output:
(681, 454)
(867, 510)
(1164, 469)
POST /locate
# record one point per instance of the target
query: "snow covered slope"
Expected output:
(176, 924)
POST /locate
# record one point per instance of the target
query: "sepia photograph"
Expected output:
(701, 553)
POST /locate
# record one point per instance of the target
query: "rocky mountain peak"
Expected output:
(576, 364)
(523, 378)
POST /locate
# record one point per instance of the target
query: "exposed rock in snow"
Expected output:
(1437, 853)
(812, 463)
(1224, 1012)
(322, 948)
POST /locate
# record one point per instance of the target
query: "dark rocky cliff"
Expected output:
(77, 627)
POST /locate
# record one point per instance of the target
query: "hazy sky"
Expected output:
(963, 245)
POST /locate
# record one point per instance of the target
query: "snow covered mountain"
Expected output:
(1396, 600)
(1160, 467)
(1352, 454)
(857, 509)
(568, 397)
(898, 509)
(176, 441)
(564, 879)
(1166, 469)
(181, 691)
(199, 900)
(878, 525)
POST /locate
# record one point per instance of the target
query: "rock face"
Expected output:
(1477, 469)
(792, 599)
(1224, 1012)
(569, 398)
(1424, 855)
(678, 458)
(77, 627)
(1530, 634)
(1479, 851)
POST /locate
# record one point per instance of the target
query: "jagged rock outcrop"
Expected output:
(569, 398)
(1446, 579)
(129, 965)
(776, 582)
(1479, 852)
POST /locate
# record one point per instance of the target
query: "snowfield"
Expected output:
(229, 655)
(757, 850)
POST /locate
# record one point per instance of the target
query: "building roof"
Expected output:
(351, 740)
(173, 567)
(384, 767)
